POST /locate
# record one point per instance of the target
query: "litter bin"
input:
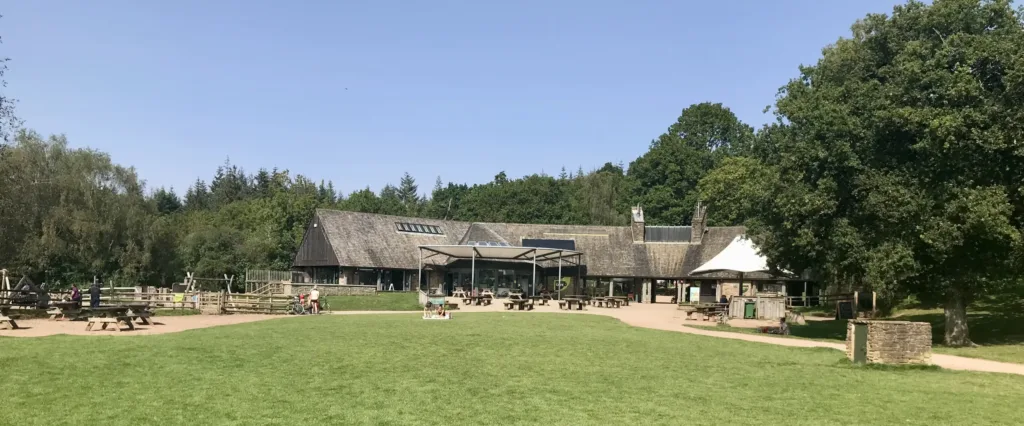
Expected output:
(749, 310)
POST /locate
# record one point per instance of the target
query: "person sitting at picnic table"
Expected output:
(314, 300)
(94, 296)
(723, 299)
(76, 296)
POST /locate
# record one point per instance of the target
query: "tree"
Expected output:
(600, 197)
(198, 197)
(408, 195)
(166, 202)
(665, 178)
(391, 201)
(898, 155)
(9, 123)
(363, 200)
(230, 184)
(737, 190)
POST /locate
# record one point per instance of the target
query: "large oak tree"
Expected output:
(900, 157)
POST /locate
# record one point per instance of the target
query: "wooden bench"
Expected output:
(7, 322)
(117, 321)
(509, 305)
(562, 304)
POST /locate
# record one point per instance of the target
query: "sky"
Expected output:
(359, 92)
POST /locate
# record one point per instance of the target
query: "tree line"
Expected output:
(70, 213)
(894, 164)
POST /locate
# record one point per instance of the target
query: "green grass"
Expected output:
(999, 333)
(383, 301)
(484, 368)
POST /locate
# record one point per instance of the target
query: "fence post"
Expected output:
(856, 304)
(874, 305)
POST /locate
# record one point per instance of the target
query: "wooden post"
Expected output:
(874, 305)
(856, 304)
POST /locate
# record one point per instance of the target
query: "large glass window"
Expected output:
(487, 278)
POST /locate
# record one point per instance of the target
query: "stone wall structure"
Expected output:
(890, 342)
(331, 289)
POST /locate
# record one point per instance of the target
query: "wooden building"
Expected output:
(342, 247)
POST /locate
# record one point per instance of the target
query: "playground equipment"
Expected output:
(191, 281)
(434, 309)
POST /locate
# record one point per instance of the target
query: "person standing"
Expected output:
(94, 296)
(314, 300)
(76, 296)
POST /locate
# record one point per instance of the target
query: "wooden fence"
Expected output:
(771, 308)
(256, 304)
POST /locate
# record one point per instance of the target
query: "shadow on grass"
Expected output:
(887, 367)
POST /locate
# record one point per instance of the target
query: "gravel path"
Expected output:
(668, 317)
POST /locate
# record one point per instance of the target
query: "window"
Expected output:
(419, 228)
(487, 244)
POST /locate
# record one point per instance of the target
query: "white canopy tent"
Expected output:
(501, 252)
(741, 255)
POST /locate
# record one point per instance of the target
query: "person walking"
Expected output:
(94, 296)
(314, 300)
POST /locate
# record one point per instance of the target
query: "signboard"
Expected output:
(844, 310)
(694, 294)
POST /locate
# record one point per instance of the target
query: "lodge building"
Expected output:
(364, 249)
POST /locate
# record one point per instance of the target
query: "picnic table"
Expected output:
(608, 302)
(710, 310)
(567, 302)
(65, 310)
(623, 300)
(521, 304)
(460, 293)
(140, 312)
(477, 300)
(106, 315)
(7, 321)
(543, 300)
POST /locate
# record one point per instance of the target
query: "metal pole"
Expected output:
(534, 292)
(419, 275)
(559, 274)
(472, 273)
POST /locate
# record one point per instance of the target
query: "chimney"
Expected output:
(699, 224)
(638, 224)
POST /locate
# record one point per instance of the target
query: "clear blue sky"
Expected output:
(360, 92)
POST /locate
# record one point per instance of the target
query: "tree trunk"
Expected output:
(956, 321)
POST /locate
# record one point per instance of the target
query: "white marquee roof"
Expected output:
(741, 255)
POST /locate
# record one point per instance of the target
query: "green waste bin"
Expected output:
(749, 310)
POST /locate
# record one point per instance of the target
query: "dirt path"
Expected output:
(167, 324)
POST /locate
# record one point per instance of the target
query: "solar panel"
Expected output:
(550, 244)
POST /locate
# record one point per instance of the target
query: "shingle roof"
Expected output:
(373, 241)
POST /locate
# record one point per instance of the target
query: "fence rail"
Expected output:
(267, 276)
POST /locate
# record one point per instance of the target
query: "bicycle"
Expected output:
(325, 306)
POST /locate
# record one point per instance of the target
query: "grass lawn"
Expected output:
(383, 301)
(1000, 333)
(483, 368)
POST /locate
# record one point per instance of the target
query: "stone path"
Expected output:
(668, 317)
